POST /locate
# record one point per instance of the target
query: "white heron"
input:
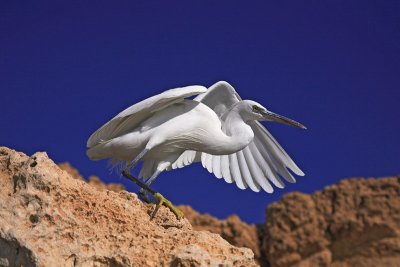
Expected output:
(218, 128)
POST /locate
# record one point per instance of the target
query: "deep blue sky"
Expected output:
(66, 68)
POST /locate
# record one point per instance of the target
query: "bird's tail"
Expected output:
(98, 152)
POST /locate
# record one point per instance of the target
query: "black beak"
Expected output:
(268, 115)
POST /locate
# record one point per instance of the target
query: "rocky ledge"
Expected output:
(353, 223)
(49, 218)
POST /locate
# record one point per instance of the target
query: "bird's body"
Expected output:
(181, 127)
(187, 125)
(217, 128)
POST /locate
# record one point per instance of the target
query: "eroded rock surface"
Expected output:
(232, 229)
(48, 218)
(51, 217)
(353, 223)
(92, 180)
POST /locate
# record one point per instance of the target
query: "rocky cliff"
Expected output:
(48, 218)
(51, 217)
(353, 223)
(232, 229)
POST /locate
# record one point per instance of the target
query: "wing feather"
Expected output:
(244, 170)
(131, 117)
(186, 158)
(256, 172)
(181, 163)
(203, 159)
(265, 167)
(209, 164)
(265, 137)
(225, 169)
(261, 162)
(235, 171)
(274, 164)
(216, 166)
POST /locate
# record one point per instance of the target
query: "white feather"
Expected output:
(235, 171)
(216, 166)
(180, 131)
(256, 172)
(264, 159)
(266, 169)
(131, 117)
(246, 175)
(225, 169)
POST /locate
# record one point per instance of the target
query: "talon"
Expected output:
(161, 200)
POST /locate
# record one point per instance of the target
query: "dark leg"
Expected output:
(142, 195)
(161, 200)
(142, 192)
(144, 186)
(134, 162)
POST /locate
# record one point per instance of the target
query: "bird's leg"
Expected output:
(142, 192)
(144, 196)
(144, 186)
(163, 201)
(131, 165)
(160, 198)
(136, 160)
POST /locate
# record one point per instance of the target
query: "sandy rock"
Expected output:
(48, 218)
(92, 180)
(72, 171)
(353, 223)
(232, 229)
(99, 185)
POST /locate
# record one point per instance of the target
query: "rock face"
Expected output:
(353, 223)
(231, 229)
(92, 180)
(48, 218)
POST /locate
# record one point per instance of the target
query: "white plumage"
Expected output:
(218, 128)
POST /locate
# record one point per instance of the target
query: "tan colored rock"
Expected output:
(232, 229)
(98, 184)
(353, 223)
(48, 218)
(66, 166)
(92, 180)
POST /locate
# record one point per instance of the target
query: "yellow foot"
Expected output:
(161, 200)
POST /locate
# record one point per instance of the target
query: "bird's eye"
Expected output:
(256, 108)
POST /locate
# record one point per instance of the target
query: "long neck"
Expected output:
(238, 134)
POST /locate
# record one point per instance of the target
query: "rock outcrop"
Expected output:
(48, 218)
(353, 223)
(232, 229)
(92, 180)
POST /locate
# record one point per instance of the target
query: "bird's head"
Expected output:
(251, 110)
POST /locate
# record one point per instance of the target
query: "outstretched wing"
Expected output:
(256, 166)
(131, 117)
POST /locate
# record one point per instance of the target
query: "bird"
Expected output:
(216, 127)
